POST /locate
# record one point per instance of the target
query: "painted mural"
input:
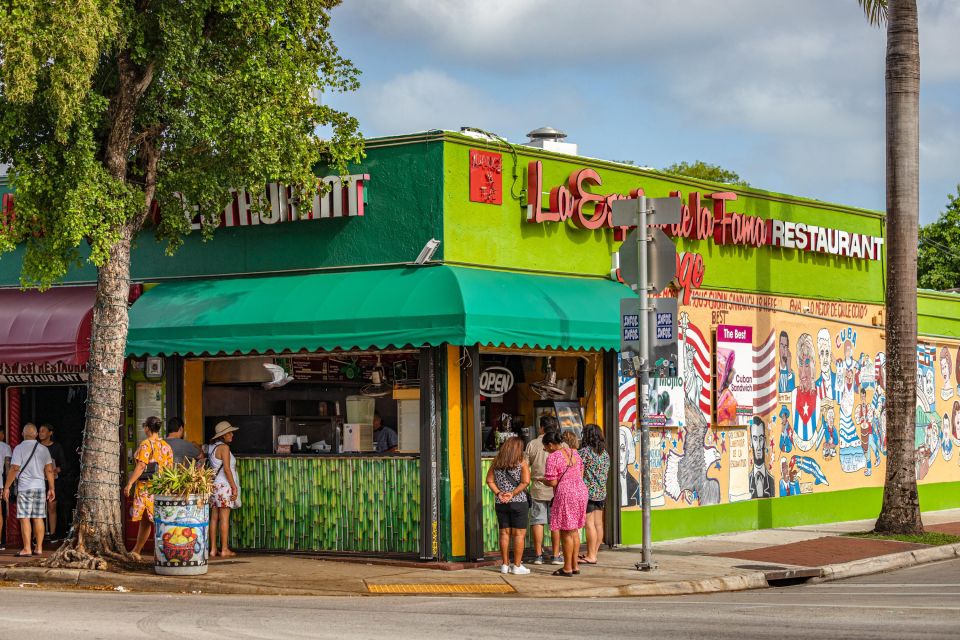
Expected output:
(813, 375)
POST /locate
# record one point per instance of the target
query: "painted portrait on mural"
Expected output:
(686, 477)
(946, 439)
(629, 487)
(826, 383)
(786, 381)
(761, 482)
(852, 458)
(828, 429)
(806, 401)
(695, 364)
(789, 478)
(786, 429)
(928, 426)
(946, 365)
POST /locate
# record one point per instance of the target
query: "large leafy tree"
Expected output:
(706, 171)
(900, 512)
(938, 261)
(113, 113)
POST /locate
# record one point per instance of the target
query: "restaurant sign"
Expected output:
(574, 201)
(338, 197)
(35, 373)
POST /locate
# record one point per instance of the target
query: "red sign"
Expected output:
(486, 177)
(572, 201)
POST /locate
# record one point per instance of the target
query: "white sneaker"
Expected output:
(519, 570)
(504, 568)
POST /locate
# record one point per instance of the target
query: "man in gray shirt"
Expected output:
(541, 495)
(183, 450)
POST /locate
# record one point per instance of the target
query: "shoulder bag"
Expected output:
(151, 469)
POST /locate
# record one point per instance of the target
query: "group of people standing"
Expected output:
(557, 481)
(31, 471)
(155, 453)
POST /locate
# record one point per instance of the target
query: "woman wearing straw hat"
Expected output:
(226, 492)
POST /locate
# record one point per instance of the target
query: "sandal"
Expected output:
(561, 572)
(585, 561)
(23, 555)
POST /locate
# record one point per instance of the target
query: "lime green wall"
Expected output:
(938, 314)
(499, 235)
(813, 508)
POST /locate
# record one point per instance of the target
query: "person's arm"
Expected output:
(51, 480)
(11, 476)
(137, 472)
(550, 477)
(492, 483)
(223, 454)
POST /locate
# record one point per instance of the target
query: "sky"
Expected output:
(788, 94)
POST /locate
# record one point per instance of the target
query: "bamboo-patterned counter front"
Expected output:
(313, 503)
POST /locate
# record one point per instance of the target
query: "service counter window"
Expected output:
(345, 404)
(516, 390)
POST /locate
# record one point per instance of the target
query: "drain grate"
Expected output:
(440, 588)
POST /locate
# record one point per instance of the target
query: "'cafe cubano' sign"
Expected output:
(587, 210)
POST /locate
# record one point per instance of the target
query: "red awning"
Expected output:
(52, 326)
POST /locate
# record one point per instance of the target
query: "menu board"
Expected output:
(347, 368)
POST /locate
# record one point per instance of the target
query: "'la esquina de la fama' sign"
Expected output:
(572, 201)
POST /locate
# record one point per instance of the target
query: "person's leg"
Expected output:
(569, 549)
(555, 538)
(225, 533)
(518, 536)
(591, 534)
(505, 546)
(537, 530)
(52, 518)
(598, 526)
(38, 532)
(214, 524)
(143, 534)
(25, 534)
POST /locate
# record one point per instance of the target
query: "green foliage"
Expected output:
(932, 538)
(875, 10)
(706, 171)
(182, 480)
(222, 99)
(938, 258)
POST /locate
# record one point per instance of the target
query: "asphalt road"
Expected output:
(921, 602)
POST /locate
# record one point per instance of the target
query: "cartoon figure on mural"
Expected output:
(789, 478)
(845, 388)
(786, 381)
(946, 364)
(629, 487)
(806, 403)
(946, 442)
(686, 473)
(827, 382)
(726, 402)
(786, 432)
(696, 363)
(928, 426)
(879, 402)
(869, 439)
(761, 482)
(828, 430)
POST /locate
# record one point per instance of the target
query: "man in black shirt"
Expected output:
(59, 461)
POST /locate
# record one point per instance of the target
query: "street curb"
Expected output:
(720, 584)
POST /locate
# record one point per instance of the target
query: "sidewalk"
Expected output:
(725, 562)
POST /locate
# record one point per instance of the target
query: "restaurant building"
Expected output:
(461, 288)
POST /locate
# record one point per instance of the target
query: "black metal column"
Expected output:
(173, 381)
(430, 406)
(472, 446)
(611, 432)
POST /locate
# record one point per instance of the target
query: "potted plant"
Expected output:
(181, 517)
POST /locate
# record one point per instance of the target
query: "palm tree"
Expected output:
(901, 503)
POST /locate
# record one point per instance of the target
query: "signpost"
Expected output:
(647, 264)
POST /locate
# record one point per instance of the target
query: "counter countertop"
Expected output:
(328, 456)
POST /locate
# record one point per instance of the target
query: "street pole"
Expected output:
(643, 381)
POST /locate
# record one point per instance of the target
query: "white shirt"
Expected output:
(5, 452)
(31, 475)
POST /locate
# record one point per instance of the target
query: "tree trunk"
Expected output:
(97, 535)
(901, 503)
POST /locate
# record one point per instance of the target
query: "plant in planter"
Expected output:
(181, 518)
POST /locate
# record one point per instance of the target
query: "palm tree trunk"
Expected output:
(901, 503)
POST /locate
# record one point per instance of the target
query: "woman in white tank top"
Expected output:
(226, 488)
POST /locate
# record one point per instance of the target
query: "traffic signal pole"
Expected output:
(643, 383)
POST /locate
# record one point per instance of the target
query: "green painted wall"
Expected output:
(499, 234)
(813, 508)
(938, 314)
(402, 213)
(328, 504)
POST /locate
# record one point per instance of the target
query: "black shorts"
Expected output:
(512, 515)
(595, 505)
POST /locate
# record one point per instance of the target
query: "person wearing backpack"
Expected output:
(226, 492)
(31, 467)
(152, 455)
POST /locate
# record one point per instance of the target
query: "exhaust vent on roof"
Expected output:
(550, 139)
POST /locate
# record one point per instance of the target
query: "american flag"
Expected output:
(765, 376)
(628, 399)
(701, 362)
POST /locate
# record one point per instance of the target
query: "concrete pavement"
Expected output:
(728, 562)
(920, 602)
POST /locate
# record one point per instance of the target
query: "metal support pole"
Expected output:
(643, 382)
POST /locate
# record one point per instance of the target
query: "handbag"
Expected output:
(151, 469)
(13, 489)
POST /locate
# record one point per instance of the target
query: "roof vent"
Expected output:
(550, 139)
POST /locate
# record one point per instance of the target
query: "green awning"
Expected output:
(375, 309)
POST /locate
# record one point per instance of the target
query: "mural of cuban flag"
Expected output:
(812, 467)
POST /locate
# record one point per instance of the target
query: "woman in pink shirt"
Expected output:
(564, 472)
